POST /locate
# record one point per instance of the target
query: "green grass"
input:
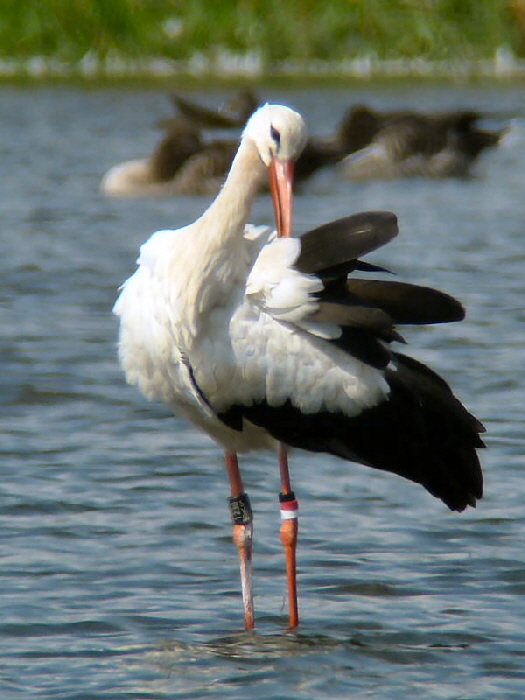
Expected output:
(273, 30)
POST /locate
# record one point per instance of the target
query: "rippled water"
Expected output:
(117, 573)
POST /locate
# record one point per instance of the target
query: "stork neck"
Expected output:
(233, 203)
(218, 237)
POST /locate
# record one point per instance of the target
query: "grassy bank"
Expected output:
(254, 35)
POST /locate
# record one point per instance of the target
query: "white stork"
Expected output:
(264, 342)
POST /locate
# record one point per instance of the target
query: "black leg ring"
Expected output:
(240, 509)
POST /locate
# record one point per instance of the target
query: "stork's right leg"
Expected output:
(289, 508)
(241, 513)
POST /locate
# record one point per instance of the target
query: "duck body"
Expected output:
(410, 144)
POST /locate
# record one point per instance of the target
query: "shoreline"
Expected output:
(231, 67)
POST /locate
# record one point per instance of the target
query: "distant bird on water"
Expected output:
(184, 162)
(262, 341)
(318, 152)
(153, 176)
(403, 144)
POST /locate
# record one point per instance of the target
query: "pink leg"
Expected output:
(242, 533)
(289, 527)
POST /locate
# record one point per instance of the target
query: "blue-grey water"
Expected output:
(118, 576)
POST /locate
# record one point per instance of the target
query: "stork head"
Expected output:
(277, 131)
(279, 135)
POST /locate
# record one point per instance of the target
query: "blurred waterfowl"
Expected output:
(411, 144)
(154, 175)
(163, 174)
(367, 145)
(233, 115)
(184, 162)
(360, 124)
(204, 171)
(318, 153)
(212, 163)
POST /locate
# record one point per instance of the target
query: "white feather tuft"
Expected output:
(278, 288)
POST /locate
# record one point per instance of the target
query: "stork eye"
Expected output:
(276, 136)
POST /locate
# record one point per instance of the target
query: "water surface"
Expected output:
(118, 576)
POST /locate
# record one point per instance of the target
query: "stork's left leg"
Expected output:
(241, 513)
(289, 527)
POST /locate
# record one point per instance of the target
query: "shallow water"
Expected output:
(118, 576)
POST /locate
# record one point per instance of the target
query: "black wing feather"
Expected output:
(367, 310)
(342, 241)
(407, 303)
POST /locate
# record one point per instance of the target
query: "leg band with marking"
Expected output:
(289, 506)
(240, 509)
